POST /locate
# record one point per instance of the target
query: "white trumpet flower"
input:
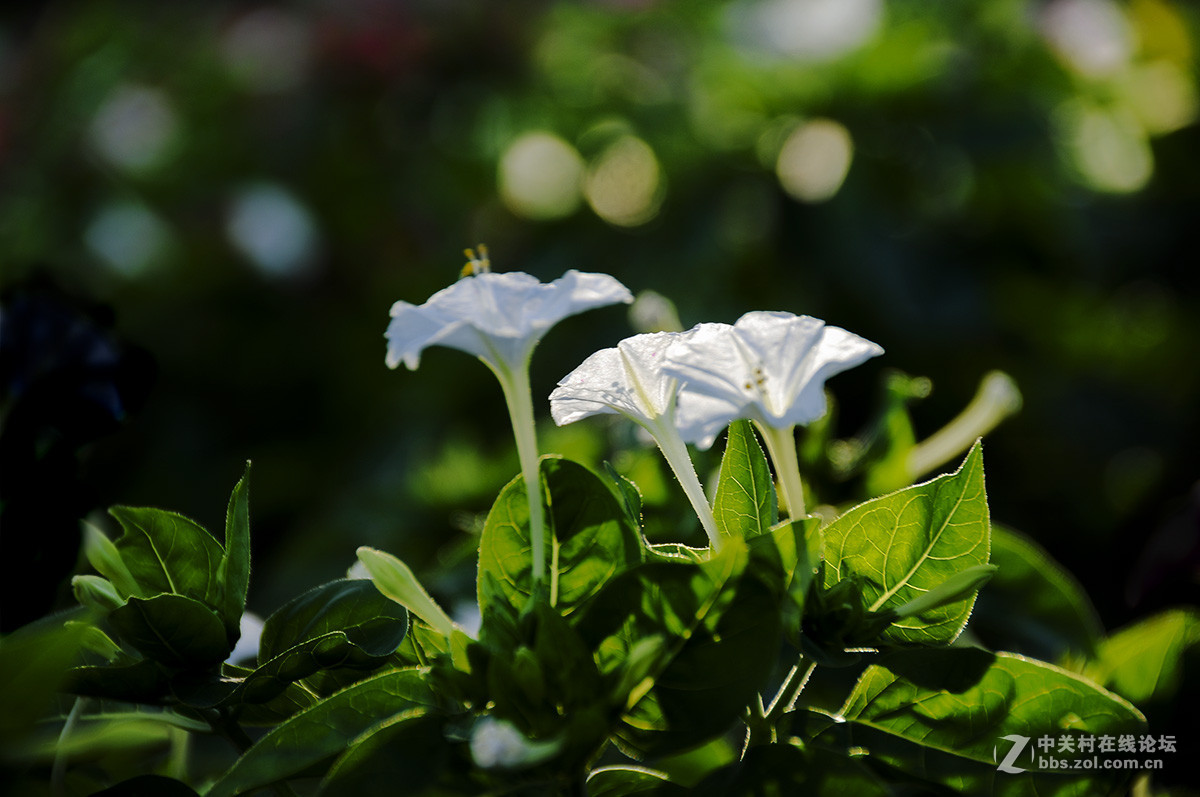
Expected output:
(500, 318)
(770, 368)
(497, 317)
(629, 379)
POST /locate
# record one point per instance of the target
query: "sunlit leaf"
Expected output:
(1145, 661)
(907, 543)
(745, 501)
(233, 573)
(96, 593)
(618, 781)
(590, 538)
(965, 701)
(396, 580)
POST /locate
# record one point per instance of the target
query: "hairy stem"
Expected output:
(781, 445)
(675, 451)
(785, 698)
(518, 395)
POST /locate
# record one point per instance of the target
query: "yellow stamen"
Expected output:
(476, 264)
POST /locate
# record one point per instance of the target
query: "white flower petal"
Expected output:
(573, 293)
(837, 351)
(627, 379)
(595, 387)
(700, 418)
(497, 317)
(770, 367)
(246, 649)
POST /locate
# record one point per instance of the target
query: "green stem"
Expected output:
(519, 396)
(785, 698)
(781, 445)
(760, 731)
(675, 451)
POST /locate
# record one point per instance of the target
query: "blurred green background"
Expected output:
(206, 211)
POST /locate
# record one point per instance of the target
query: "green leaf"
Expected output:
(1033, 605)
(590, 538)
(721, 630)
(745, 502)
(964, 701)
(784, 769)
(962, 584)
(776, 558)
(34, 663)
(904, 544)
(103, 555)
(233, 573)
(1145, 661)
(618, 781)
(916, 769)
(421, 645)
(173, 630)
(397, 581)
(409, 748)
(168, 553)
(570, 669)
(320, 733)
(290, 701)
(345, 624)
(143, 682)
(353, 607)
(628, 492)
(148, 786)
(676, 552)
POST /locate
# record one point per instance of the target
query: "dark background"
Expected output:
(206, 211)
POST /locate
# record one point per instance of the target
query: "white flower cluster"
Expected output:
(768, 367)
(682, 387)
